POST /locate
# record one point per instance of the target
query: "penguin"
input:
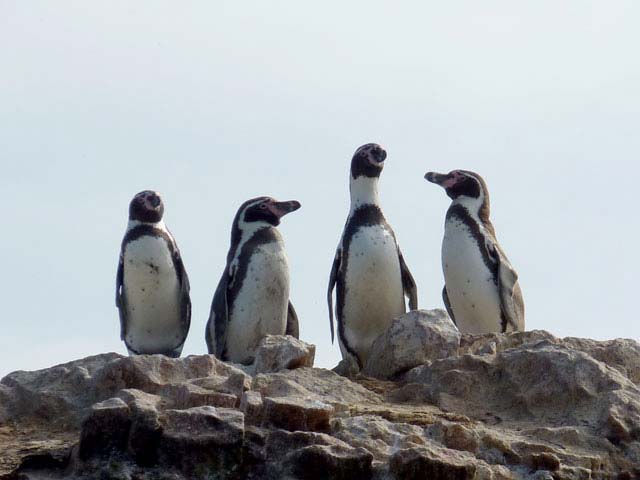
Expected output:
(481, 291)
(252, 297)
(369, 272)
(152, 286)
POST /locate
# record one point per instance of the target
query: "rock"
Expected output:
(188, 395)
(501, 406)
(545, 381)
(413, 339)
(146, 430)
(421, 462)
(347, 367)
(297, 414)
(251, 406)
(106, 429)
(316, 456)
(202, 439)
(318, 462)
(459, 437)
(319, 384)
(282, 352)
(621, 354)
(378, 435)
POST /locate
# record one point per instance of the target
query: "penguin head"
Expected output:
(459, 183)
(263, 211)
(368, 161)
(146, 207)
(464, 187)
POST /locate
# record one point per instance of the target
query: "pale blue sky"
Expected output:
(212, 103)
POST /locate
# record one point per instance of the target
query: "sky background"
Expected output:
(212, 103)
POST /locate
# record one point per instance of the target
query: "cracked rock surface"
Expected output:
(524, 405)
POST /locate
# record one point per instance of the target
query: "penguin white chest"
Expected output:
(260, 308)
(152, 295)
(473, 293)
(373, 293)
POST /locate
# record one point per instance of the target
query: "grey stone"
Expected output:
(105, 429)
(296, 414)
(251, 406)
(413, 339)
(421, 462)
(283, 352)
(202, 440)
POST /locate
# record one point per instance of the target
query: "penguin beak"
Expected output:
(445, 180)
(280, 209)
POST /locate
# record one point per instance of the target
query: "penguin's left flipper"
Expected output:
(408, 283)
(333, 277)
(120, 300)
(507, 286)
(219, 316)
(447, 304)
(185, 299)
(292, 322)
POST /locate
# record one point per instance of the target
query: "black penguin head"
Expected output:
(263, 210)
(465, 187)
(459, 183)
(147, 207)
(368, 161)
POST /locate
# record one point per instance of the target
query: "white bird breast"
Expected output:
(152, 293)
(473, 294)
(260, 308)
(373, 287)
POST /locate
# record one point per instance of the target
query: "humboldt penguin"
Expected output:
(369, 272)
(481, 291)
(152, 287)
(252, 297)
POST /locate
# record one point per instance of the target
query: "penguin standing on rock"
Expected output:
(252, 298)
(481, 291)
(152, 287)
(369, 270)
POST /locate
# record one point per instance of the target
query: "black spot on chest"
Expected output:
(150, 231)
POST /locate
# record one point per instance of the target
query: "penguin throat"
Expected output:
(477, 207)
(364, 191)
(136, 223)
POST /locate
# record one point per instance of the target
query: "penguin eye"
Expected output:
(263, 206)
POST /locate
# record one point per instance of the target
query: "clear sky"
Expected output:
(211, 103)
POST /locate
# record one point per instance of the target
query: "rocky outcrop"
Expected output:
(520, 405)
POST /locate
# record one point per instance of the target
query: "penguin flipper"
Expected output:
(219, 317)
(292, 322)
(447, 304)
(185, 299)
(120, 301)
(408, 283)
(333, 277)
(511, 304)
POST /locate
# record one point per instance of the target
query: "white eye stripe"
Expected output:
(246, 208)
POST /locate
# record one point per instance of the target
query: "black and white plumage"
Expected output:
(152, 286)
(252, 297)
(369, 272)
(481, 291)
